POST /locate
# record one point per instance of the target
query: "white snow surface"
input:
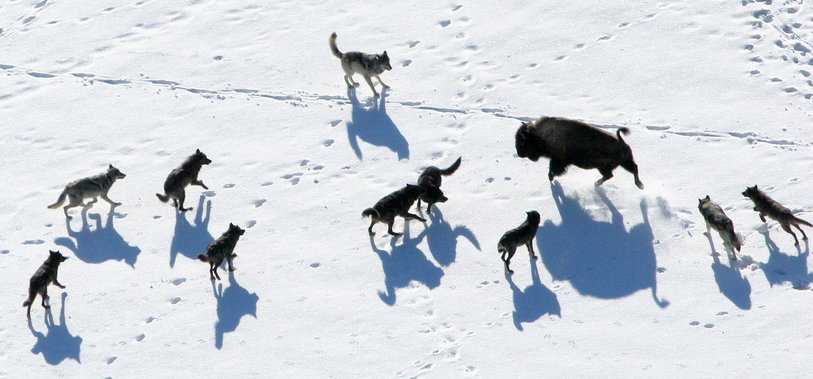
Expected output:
(718, 96)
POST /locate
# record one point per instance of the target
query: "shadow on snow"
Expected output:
(534, 301)
(373, 126)
(58, 344)
(232, 304)
(191, 240)
(99, 244)
(598, 258)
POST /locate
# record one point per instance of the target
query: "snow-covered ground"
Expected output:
(718, 95)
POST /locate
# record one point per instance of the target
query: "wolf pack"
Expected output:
(564, 142)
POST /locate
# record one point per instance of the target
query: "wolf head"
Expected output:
(55, 256)
(533, 217)
(751, 192)
(703, 201)
(384, 59)
(201, 158)
(526, 142)
(434, 195)
(234, 229)
(114, 172)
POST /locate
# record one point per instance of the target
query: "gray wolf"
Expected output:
(521, 235)
(570, 142)
(222, 249)
(179, 178)
(394, 204)
(430, 179)
(354, 62)
(717, 219)
(771, 208)
(92, 186)
(44, 276)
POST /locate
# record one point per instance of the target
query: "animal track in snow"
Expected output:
(444, 23)
(259, 203)
(33, 242)
(140, 337)
(111, 360)
(175, 300)
(229, 185)
(4, 251)
(177, 281)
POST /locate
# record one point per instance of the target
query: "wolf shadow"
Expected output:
(732, 284)
(232, 304)
(58, 344)
(191, 240)
(442, 238)
(373, 126)
(534, 301)
(600, 259)
(782, 267)
(99, 244)
(404, 264)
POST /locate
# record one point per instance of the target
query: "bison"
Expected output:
(570, 142)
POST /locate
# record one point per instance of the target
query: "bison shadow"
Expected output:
(373, 126)
(600, 259)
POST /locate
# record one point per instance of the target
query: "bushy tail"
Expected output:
(333, 48)
(27, 302)
(451, 169)
(203, 258)
(501, 249)
(370, 212)
(624, 131)
(59, 201)
(733, 239)
(800, 221)
(163, 198)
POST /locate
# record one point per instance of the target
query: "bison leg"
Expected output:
(555, 169)
(606, 174)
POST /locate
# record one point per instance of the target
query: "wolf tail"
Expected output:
(620, 131)
(800, 221)
(370, 212)
(451, 169)
(27, 302)
(163, 198)
(203, 258)
(59, 201)
(501, 249)
(333, 48)
(732, 238)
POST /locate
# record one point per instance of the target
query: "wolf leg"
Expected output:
(786, 227)
(381, 81)
(370, 83)
(107, 199)
(390, 231)
(181, 198)
(408, 215)
(530, 245)
(605, 176)
(199, 183)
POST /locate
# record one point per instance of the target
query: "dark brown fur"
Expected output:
(45, 275)
(394, 204)
(430, 179)
(179, 178)
(569, 142)
(222, 249)
(521, 235)
(771, 208)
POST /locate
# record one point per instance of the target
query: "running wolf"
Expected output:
(354, 62)
(44, 276)
(183, 176)
(394, 204)
(222, 249)
(771, 208)
(717, 219)
(92, 186)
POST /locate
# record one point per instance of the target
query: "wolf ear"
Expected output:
(755, 186)
(385, 53)
(231, 226)
(197, 151)
(110, 166)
